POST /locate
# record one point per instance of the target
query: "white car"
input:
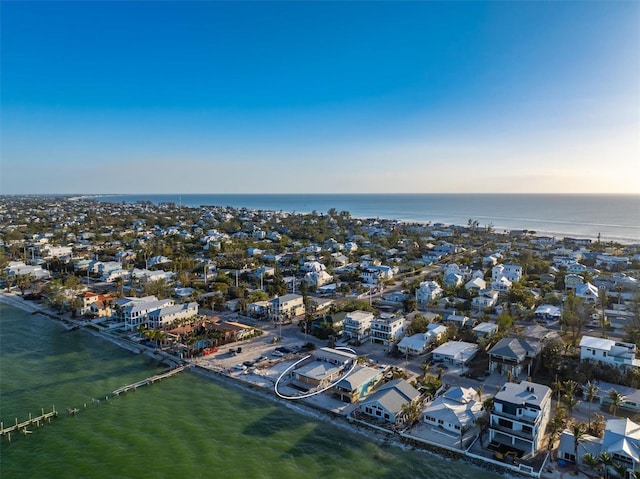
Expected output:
(240, 367)
(277, 354)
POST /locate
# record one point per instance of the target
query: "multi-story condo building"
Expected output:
(357, 325)
(608, 351)
(387, 329)
(520, 415)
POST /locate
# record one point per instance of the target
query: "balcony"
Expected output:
(529, 436)
(522, 418)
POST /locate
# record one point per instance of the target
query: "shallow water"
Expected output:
(184, 426)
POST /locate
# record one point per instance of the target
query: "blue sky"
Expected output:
(244, 97)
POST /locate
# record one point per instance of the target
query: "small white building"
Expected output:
(455, 352)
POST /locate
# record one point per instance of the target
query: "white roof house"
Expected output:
(588, 292)
(419, 343)
(621, 440)
(485, 330)
(455, 352)
(616, 353)
(456, 408)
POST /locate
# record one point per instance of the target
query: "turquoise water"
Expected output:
(184, 426)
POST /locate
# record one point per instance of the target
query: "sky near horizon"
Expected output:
(319, 97)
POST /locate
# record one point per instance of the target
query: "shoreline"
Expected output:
(372, 433)
(495, 223)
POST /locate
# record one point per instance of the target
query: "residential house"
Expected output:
(547, 312)
(510, 271)
(485, 330)
(572, 281)
(456, 408)
(333, 322)
(419, 342)
(621, 440)
(455, 352)
(476, 284)
(458, 320)
(389, 401)
(18, 268)
(325, 366)
(89, 298)
(317, 279)
(387, 329)
(631, 396)
(502, 285)
(358, 384)
(134, 312)
(608, 351)
(514, 355)
(520, 415)
(285, 308)
(587, 292)
(487, 298)
(426, 292)
(357, 325)
(162, 317)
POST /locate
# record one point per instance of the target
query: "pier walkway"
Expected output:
(150, 380)
(23, 427)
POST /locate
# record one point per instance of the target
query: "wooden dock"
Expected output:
(150, 380)
(23, 427)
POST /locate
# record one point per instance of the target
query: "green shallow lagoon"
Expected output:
(184, 426)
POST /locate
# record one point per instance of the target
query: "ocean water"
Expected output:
(184, 426)
(614, 217)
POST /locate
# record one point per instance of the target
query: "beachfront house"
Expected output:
(389, 401)
(519, 416)
(456, 408)
(621, 441)
(324, 367)
(165, 316)
(134, 312)
(358, 384)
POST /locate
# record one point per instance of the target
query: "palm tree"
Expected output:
(570, 401)
(607, 461)
(479, 392)
(591, 390)
(578, 430)
(616, 400)
(591, 461)
(621, 469)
